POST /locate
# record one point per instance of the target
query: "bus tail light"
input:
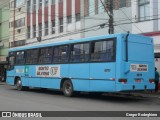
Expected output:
(138, 80)
(123, 80)
(151, 80)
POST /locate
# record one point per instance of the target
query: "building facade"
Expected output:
(4, 36)
(52, 20)
(17, 23)
(136, 16)
(95, 11)
(146, 20)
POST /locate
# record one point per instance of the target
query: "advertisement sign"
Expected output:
(47, 71)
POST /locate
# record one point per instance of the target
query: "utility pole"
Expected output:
(111, 19)
(108, 6)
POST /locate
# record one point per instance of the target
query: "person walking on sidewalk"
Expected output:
(156, 80)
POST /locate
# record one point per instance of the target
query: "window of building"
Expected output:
(34, 5)
(91, 7)
(53, 2)
(60, 1)
(19, 43)
(40, 3)
(122, 3)
(100, 7)
(28, 5)
(60, 54)
(53, 26)
(46, 3)
(144, 10)
(28, 31)
(45, 55)
(40, 30)
(78, 17)
(79, 52)
(11, 5)
(69, 19)
(34, 31)
(11, 24)
(20, 58)
(20, 22)
(32, 56)
(46, 28)
(102, 51)
(61, 25)
(20, 3)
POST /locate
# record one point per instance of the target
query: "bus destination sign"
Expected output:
(139, 67)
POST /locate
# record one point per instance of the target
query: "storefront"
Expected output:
(3, 63)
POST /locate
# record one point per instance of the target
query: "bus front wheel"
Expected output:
(67, 88)
(19, 85)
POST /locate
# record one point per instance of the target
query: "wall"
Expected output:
(4, 29)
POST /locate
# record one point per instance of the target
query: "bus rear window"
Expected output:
(102, 51)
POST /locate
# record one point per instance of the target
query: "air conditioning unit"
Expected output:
(18, 30)
(1, 44)
(39, 39)
(19, 9)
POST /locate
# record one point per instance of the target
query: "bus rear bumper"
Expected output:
(134, 87)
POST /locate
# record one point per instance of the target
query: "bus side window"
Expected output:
(79, 52)
(11, 60)
(45, 55)
(102, 50)
(60, 54)
(32, 56)
(20, 58)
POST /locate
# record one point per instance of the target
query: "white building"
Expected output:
(52, 20)
(17, 23)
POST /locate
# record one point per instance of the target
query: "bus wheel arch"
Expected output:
(67, 87)
(16, 79)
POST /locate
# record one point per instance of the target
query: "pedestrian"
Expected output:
(156, 80)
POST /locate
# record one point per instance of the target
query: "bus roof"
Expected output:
(39, 45)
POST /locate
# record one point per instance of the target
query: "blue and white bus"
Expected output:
(109, 63)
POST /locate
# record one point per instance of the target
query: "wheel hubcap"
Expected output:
(68, 88)
(19, 84)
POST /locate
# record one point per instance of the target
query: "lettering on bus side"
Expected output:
(47, 71)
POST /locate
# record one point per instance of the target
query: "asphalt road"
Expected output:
(49, 100)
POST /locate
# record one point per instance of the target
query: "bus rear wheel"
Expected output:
(67, 88)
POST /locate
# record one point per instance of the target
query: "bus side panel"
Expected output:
(34, 81)
(81, 85)
(102, 85)
(10, 77)
(54, 82)
(102, 76)
(79, 74)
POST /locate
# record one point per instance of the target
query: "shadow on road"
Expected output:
(120, 98)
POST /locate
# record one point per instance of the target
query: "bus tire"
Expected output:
(19, 85)
(67, 88)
